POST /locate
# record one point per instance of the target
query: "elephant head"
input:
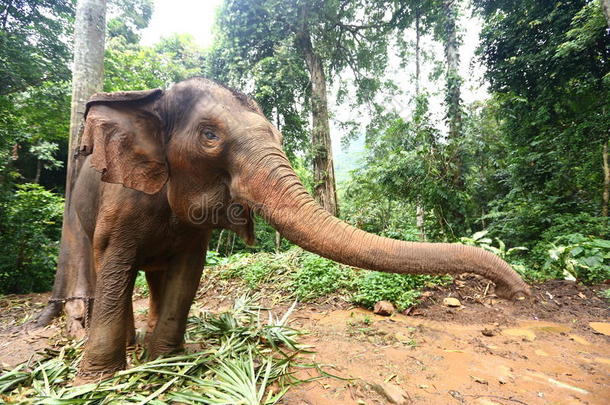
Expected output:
(217, 158)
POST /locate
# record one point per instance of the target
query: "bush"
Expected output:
(30, 228)
(257, 268)
(400, 289)
(527, 271)
(579, 257)
(318, 276)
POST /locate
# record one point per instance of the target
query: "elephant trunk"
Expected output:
(283, 201)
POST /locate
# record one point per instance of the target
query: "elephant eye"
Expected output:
(210, 135)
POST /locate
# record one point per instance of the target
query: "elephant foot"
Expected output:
(93, 377)
(164, 351)
(157, 349)
(94, 369)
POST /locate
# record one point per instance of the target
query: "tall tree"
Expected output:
(138, 67)
(32, 46)
(328, 37)
(606, 7)
(453, 100)
(88, 67)
(323, 166)
(33, 55)
(75, 290)
(547, 63)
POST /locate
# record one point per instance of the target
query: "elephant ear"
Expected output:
(125, 138)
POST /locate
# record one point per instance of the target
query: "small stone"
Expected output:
(384, 308)
(601, 327)
(541, 352)
(393, 393)
(480, 380)
(579, 339)
(451, 302)
(502, 380)
(456, 394)
(487, 332)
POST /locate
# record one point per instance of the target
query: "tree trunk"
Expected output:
(278, 241)
(417, 52)
(222, 231)
(606, 8)
(454, 81)
(75, 290)
(606, 193)
(420, 212)
(420, 215)
(88, 70)
(323, 167)
(38, 171)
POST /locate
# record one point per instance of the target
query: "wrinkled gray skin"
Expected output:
(160, 170)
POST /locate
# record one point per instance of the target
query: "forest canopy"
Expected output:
(525, 166)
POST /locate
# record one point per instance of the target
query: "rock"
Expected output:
(541, 352)
(601, 327)
(393, 393)
(451, 302)
(456, 394)
(384, 308)
(487, 332)
(480, 380)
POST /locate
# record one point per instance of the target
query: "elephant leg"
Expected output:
(180, 285)
(112, 315)
(156, 288)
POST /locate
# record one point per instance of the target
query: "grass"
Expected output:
(245, 361)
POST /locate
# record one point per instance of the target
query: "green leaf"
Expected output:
(602, 243)
(478, 235)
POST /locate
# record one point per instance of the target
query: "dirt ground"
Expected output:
(552, 348)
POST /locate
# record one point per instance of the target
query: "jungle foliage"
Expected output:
(524, 166)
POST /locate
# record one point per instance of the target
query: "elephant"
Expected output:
(159, 170)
